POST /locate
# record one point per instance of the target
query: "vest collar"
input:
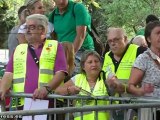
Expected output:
(39, 46)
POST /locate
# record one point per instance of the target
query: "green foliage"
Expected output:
(3, 8)
(8, 17)
(129, 14)
(14, 5)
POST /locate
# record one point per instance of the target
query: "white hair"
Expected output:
(140, 41)
(40, 19)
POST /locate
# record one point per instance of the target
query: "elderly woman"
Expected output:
(90, 79)
(140, 41)
(146, 69)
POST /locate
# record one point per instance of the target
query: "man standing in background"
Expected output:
(70, 22)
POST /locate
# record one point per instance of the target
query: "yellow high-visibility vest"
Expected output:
(99, 90)
(46, 67)
(124, 68)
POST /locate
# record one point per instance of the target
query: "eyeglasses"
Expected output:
(115, 40)
(33, 27)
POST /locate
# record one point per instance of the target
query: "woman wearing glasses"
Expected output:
(89, 82)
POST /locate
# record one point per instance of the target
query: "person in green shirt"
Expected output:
(149, 18)
(70, 24)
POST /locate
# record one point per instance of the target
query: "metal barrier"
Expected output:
(128, 103)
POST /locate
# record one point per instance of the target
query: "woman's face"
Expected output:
(92, 65)
(154, 38)
(38, 8)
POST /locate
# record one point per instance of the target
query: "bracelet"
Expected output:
(68, 91)
(49, 90)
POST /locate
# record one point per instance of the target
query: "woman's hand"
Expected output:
(141, 91)
(73, 90)
(115, 85)
(148, 87)
(112, 82)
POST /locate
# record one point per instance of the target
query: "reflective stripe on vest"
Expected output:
(99, 90)
(46, 71)
(18, 80)
(124, 68)
(46, 65)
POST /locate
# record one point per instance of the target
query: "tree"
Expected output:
(8, 18)
(3, 30)
(129, 14)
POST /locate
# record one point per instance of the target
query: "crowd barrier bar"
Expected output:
(132, 103)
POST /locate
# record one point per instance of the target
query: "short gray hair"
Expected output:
(41, 19)
(117, 29)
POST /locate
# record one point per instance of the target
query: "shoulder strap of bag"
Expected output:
(155, 61)
(34, 56)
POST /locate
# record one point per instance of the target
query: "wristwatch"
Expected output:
(49, 90)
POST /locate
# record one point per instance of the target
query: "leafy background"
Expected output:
(129, 14)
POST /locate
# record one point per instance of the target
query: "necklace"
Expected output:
(92, 85)
(92, 82)
(91, 88)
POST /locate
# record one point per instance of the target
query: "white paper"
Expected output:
(4, 55)
(30, 104)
